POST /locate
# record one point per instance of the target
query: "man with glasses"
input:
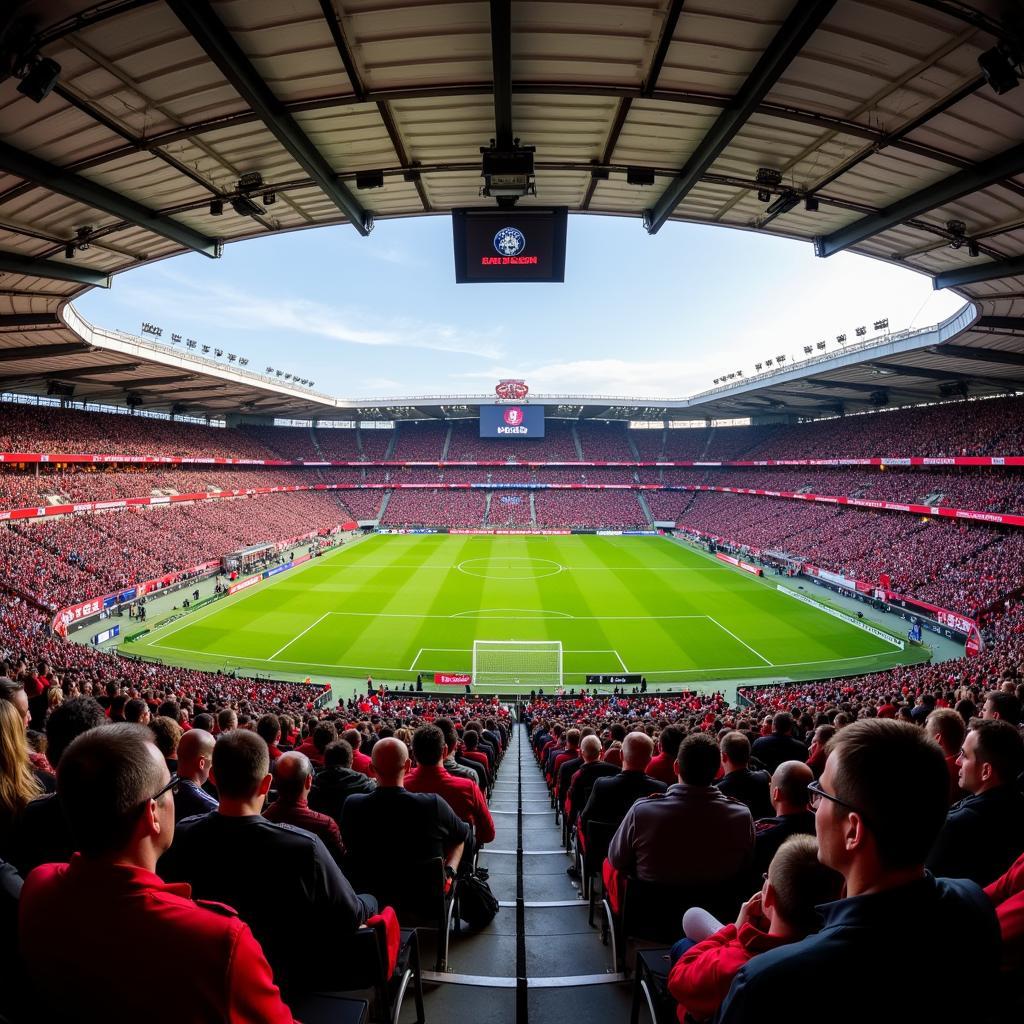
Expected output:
(878, 807)
(116, 791)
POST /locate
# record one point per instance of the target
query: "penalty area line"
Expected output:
(738, 640)
(299, 636)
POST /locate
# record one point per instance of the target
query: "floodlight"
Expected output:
(639, 176)
(861, 331)
(998, 69)
(841, 338)
(369, 179)
(216, 207)
(42, 76)
(808, 349)
(811, 204)
(881, 325)
(218, 352)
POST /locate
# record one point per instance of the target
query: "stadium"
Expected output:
(511, 699)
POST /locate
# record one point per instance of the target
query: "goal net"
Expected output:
(529, 664)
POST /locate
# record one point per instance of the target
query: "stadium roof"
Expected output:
(875, 114)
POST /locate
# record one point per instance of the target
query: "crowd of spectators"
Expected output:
(68, 559)
(510, 508)
(580, 509)
(435, 508)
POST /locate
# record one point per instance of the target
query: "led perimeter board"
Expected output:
(512, 421)
(494, 245)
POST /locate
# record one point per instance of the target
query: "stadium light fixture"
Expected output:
(808, 349)
(191, 343)
(972, 248)
(861, 332)
(148, 328)
(206, 349)
(758, 366)
(507, 173)
(821, 346)
(1000, 68)
(958, 229)
(269, 198)
(269, 369)
(218, 352)
(369, 179)
(245, 207)
(639, 176)
(811, 204)
(175, 339)
(243, 362)
(280, 373)
(768, 362)
(881, 325)
(841, 338)
(69, 251)
(216, 207)
(232, 357)
(40, 79)
(780, 359)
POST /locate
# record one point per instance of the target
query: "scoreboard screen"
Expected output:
(493, 245)
(512, 421)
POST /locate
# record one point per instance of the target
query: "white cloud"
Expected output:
(224, 307)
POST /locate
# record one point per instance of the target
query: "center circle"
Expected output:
(510, 568)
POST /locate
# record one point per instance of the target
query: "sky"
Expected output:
(638, 315)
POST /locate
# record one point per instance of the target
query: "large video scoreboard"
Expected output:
(512, 421)
(509, 245)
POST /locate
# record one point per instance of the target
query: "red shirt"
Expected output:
(363, 763)
(700, 979)
(463, 796)
(481, 759)
(134, 922)
(299, 815)
(663, 768)
(1007, 893)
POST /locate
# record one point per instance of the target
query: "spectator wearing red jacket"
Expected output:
(116, 790)
(360, 762)
(783, 911)
(1007, 893)
(663, 764)
(430, 776)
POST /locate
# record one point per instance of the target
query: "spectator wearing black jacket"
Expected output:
(281, 880)
(612, 797)
(984, 832)
(337, 781)
(791, 814)
(740, 781)
(781, 745)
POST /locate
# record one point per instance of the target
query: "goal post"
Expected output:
(526, 664)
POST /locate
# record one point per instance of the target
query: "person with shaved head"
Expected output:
(793, 815)
(583, 779)
(195, 756)
(390, 828)
(293, 777)
(282, 880)
(611, 797)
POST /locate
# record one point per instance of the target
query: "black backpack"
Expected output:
(477, 904)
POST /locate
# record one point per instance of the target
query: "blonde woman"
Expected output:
(18, 783)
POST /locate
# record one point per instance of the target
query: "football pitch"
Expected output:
(397, 606)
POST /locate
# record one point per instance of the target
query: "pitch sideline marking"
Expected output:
(744, 642)
(621, 662)
(218, 656)
(412, 667)
(298, 636)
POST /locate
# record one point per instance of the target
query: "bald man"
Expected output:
(792, 817)
(387, 830)
(195, 755)
(583, 779)
(610, 798)
(293, 777)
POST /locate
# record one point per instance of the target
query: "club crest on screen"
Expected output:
(509, 241)
(512, 390)
(513, 416)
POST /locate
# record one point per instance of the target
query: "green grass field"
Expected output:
(394, 606)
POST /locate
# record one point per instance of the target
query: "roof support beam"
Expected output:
(976, 274)
(1005, 323)
(84, 372)
(29, 320)
(30, 353)
(801, 24)
(501, 63)
(983, 355)
(99, 197)
(621, 113)
(18, 263)
(359, 92)
(668, 30)
(927, 373)
(220, 46)
(970, 179)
